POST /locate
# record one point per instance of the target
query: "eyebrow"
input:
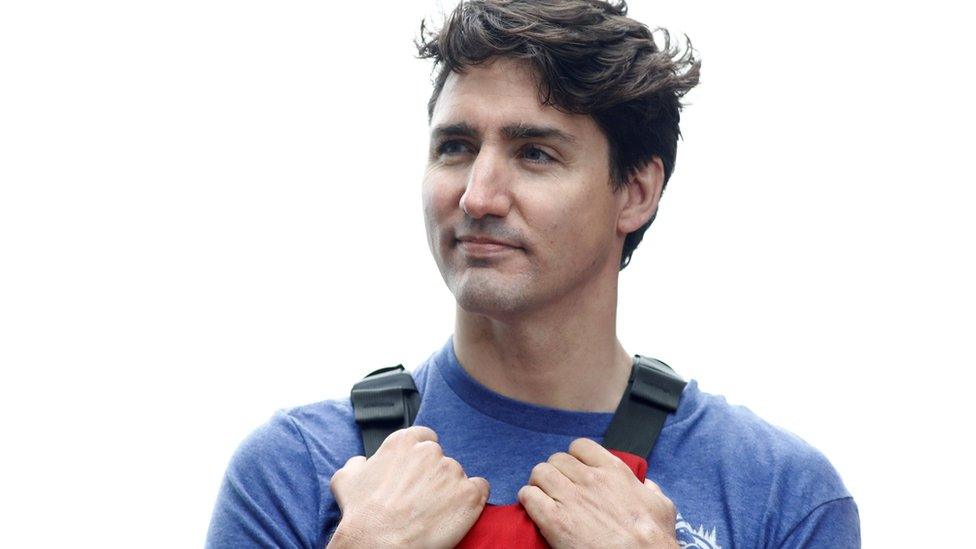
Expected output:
(512, 132)
(459, 129)
(526, 131)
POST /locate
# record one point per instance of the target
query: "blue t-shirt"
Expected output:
(736, 480)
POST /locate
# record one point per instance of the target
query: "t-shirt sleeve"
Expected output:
(268, 497)
(832, 525)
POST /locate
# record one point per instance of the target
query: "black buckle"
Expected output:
(380, 405)
(655, 384)
(382, 398)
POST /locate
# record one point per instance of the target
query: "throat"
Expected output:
(581, 375)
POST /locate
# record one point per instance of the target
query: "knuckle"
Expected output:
(580, 444)
(669, 506)
(409, 435)
(429, 448)
(451, 465)
(471, 492)
(421, 432)
(395, 438)
(575, 446)
(338, 476)
(346, 470)
(622, 467)
(540, 470)
(559, 457)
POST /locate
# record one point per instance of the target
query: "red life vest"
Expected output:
(510, 525)
(387, 400)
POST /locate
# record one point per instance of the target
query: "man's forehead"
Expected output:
(515, 75)
(500, 93)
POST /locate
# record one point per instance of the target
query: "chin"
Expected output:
(481, 295)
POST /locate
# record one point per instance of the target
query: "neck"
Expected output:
(566, 355)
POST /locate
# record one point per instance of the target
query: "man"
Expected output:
(553, 132)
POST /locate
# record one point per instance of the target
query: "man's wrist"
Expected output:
(341, 538)
(652, 537)
(348, 535)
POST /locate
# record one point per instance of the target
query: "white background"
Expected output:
(211, 210)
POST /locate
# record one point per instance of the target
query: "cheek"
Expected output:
(427, 199)
(440, 208)
(585, 227)
(438, 197)
(432, 203)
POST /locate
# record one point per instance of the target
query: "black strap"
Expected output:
(387, 400)
(653, 392)
(384, 401)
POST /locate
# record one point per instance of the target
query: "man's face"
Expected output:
(505, 168)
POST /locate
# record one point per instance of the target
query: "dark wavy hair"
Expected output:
(591, 59)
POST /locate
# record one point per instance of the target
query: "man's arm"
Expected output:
(270, 494)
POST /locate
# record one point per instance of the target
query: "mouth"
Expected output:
(484, 247)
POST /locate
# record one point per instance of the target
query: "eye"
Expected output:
(536, 155)
(451, 147)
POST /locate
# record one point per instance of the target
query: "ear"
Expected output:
(640, 196)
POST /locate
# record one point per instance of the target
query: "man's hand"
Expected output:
(408, 494)
(590, 498)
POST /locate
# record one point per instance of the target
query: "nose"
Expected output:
(487, 189)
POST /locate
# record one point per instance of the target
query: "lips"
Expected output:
(479, 245)
(486, 240)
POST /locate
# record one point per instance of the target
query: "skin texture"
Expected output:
(536, 321)
(567, 499)
(535, 317)
(408, 494)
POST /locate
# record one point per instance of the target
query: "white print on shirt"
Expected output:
(695, 538)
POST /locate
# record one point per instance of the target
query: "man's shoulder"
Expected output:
(777, 473)
(312, 435)
(737, 434)
(332, 419)
(272, 494)
(327, 429)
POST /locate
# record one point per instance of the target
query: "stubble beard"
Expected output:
(481, 291)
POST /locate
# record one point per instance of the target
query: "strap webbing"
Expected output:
(653, 392)
(387, 400)
(384, 401)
